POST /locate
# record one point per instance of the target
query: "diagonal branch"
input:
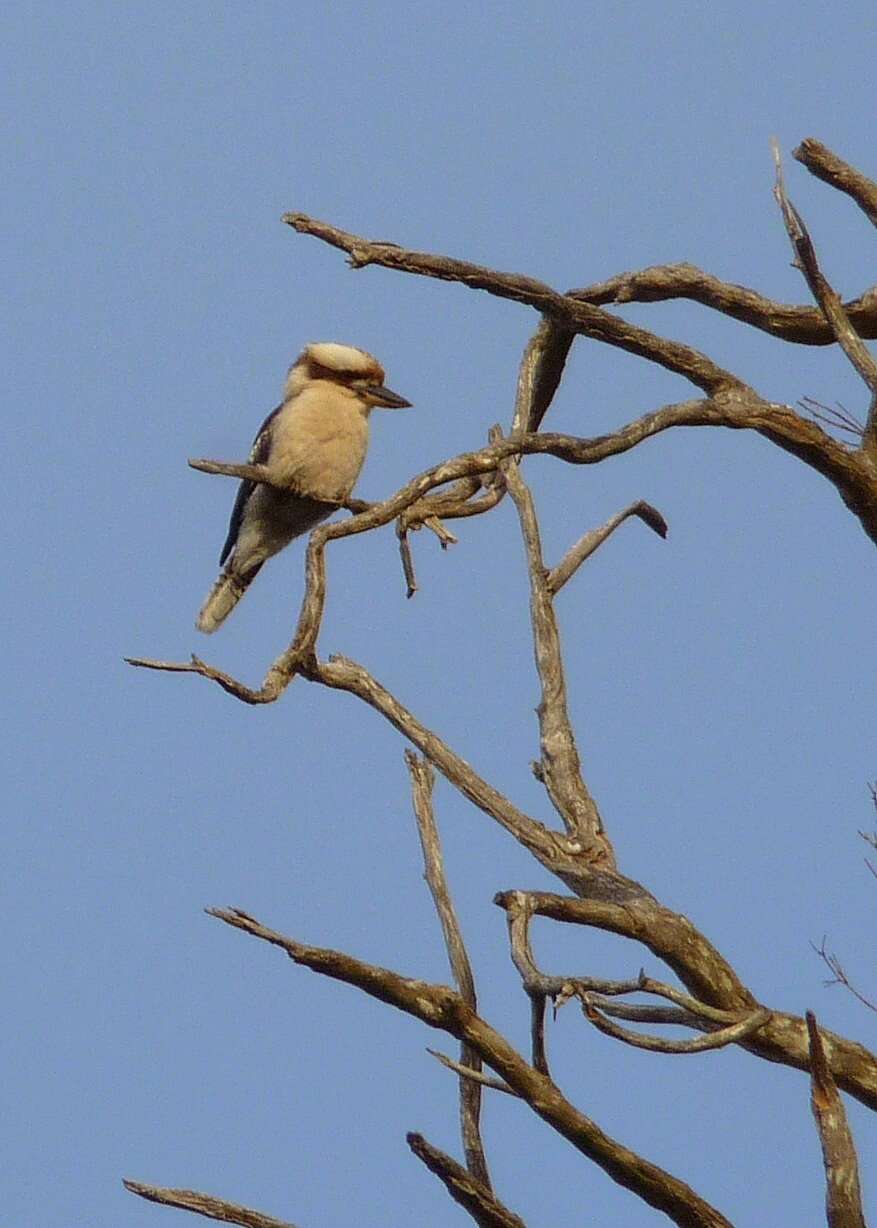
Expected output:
(486, 1210)
(843, 1195)
(442, 1008)
(569, 315)
(827, 166)
(422, 782)
(207, 1205)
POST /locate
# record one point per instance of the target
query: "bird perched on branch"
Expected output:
(314, 446)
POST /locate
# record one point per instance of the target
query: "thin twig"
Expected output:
(838, 973)
(471, 1073)
(592, 540)
(658, 1044)
(207, 1205)
(422, 783)
(843, 1195)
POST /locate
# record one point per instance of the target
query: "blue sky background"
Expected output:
(722, 682)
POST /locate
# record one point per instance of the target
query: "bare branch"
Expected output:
(486, 1210)
(709, 978)
(471, 1073)
(539, 374)
(568, 314)
(838, 973)
(560, 764)
(207, 1205)
(843, 1196)
(592, 540)
(196, 666)
(442, 1008)
(656, 1044)
(829, 301)
(663, 282)
(831, 169)
(422, 782)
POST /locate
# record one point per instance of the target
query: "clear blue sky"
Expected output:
(722, 682)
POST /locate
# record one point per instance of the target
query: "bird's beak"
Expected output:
(386, 398)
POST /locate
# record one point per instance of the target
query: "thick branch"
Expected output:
(207, 1205)
(828, 167)
(569, 315)
(465, 1189)
(422, 782)
(560, 766)
(663, 282)
(843, 1195)
(709, 977)
(442, 1008)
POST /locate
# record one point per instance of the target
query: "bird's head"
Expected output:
(346, 366)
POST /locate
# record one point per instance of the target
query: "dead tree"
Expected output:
(709, 998)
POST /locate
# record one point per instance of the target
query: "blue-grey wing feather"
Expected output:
(259, 454)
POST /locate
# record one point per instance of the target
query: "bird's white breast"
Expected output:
(319, 441)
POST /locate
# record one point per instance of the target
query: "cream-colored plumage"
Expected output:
(314, 446)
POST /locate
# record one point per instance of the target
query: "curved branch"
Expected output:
(733, 1034)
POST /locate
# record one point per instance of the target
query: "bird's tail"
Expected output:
(222, 599)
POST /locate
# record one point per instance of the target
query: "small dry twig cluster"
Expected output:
(710, 1000)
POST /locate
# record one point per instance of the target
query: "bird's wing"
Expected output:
(259, 454)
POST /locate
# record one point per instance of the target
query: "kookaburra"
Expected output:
(314, 445)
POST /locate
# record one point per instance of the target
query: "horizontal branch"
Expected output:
(730, 1035)
(207, 1205)
(665, 282)
(442, 1008)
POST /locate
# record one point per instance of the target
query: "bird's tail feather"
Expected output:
(222, 599)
